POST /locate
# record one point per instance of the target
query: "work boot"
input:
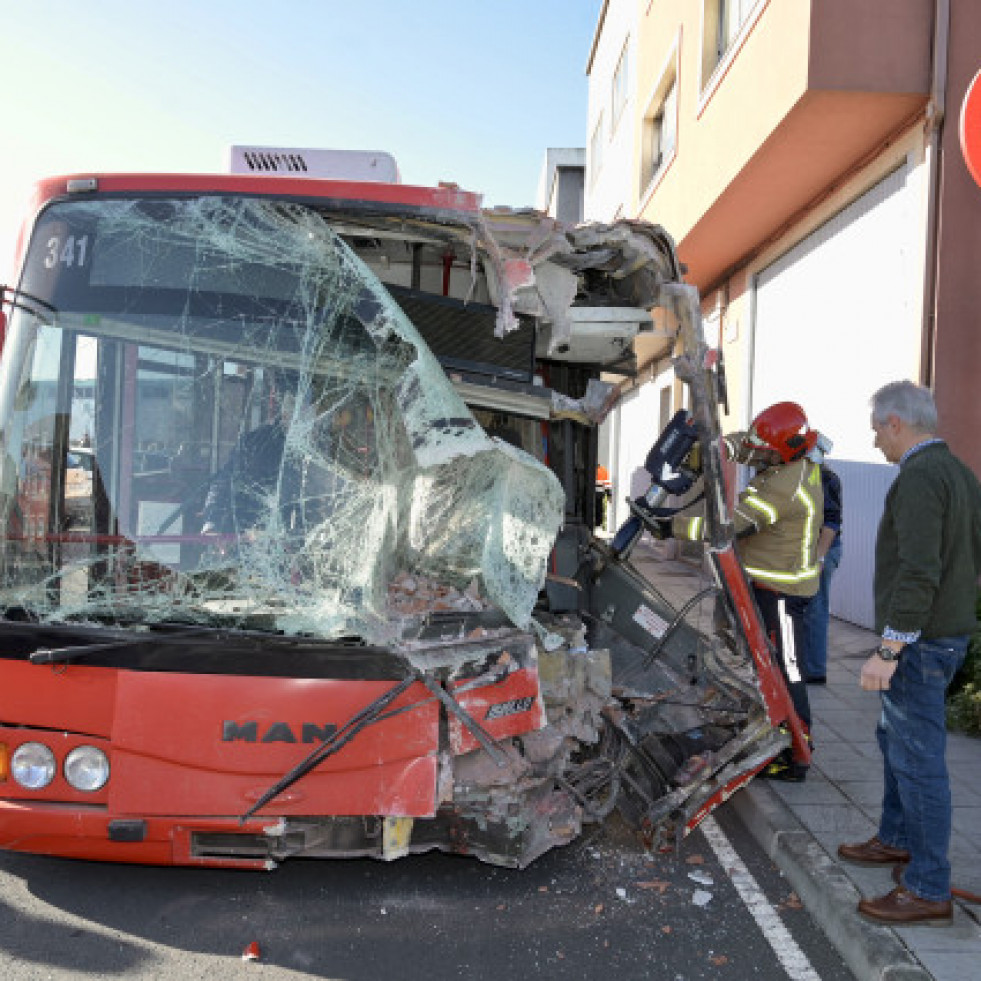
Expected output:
(873, 852)
(904, 908)
(783, 767)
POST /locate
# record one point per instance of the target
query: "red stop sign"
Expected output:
(970, 128)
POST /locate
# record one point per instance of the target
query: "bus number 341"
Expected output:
(73, 252)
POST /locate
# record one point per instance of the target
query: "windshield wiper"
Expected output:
(161, 632)
(370, 714)
(61, 655)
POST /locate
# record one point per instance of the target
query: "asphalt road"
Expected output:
(598, 909)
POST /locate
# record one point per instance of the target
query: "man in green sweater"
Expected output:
(927, 562)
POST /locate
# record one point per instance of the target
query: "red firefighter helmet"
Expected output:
(782, 427)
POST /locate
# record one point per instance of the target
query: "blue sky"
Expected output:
(456, 90)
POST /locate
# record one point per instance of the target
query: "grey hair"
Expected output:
(913, 404)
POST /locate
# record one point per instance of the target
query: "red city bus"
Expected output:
(298, 494)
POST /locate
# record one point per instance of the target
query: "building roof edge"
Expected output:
(596, 35)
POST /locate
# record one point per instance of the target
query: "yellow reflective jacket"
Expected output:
(777, 521)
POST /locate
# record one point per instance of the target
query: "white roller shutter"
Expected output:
(836, 317)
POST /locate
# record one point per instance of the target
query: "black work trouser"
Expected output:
(783, 620)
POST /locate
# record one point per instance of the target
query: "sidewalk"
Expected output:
(801, 825)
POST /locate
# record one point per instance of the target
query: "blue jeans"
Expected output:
(815, 659)
(912, 734)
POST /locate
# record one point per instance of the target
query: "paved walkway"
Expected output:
(801, 825)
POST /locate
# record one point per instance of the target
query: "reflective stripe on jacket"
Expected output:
(781, 510)
(777, 522)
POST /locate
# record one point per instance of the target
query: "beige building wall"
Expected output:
(804, 93)
(723, 115)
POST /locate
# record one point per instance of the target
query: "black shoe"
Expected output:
(783, 767)
(787, 772)
(816, 679)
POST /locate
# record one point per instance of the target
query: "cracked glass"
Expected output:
(217, 415)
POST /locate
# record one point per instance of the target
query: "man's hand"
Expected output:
(877, 673)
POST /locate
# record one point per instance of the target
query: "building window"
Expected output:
(621, 82)
(722, 23)
(660, 131)
(596, 150)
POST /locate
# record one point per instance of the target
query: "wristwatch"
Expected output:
(887, 653)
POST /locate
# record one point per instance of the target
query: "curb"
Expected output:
(873, 953)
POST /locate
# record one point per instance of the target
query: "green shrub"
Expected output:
(964, 696)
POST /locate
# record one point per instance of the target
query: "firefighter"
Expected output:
(777, 520)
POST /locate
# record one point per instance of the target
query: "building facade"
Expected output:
(610, 113)
(805, 156)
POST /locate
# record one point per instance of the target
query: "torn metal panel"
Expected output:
(540, 267)
(589, 410)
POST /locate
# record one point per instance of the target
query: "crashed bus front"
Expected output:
(297, 559)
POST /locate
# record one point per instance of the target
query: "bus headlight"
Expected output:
(33, 765)
(87, 768)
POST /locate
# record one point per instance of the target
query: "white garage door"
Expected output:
(836, 317)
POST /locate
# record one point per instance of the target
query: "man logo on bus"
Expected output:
(276, 732)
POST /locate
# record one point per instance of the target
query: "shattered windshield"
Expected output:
(215, 413)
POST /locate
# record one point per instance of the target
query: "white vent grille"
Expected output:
(266, 161)
(350, 165)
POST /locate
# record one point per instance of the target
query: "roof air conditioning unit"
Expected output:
(338, 165)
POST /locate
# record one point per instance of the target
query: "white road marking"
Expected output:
(793, 959)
